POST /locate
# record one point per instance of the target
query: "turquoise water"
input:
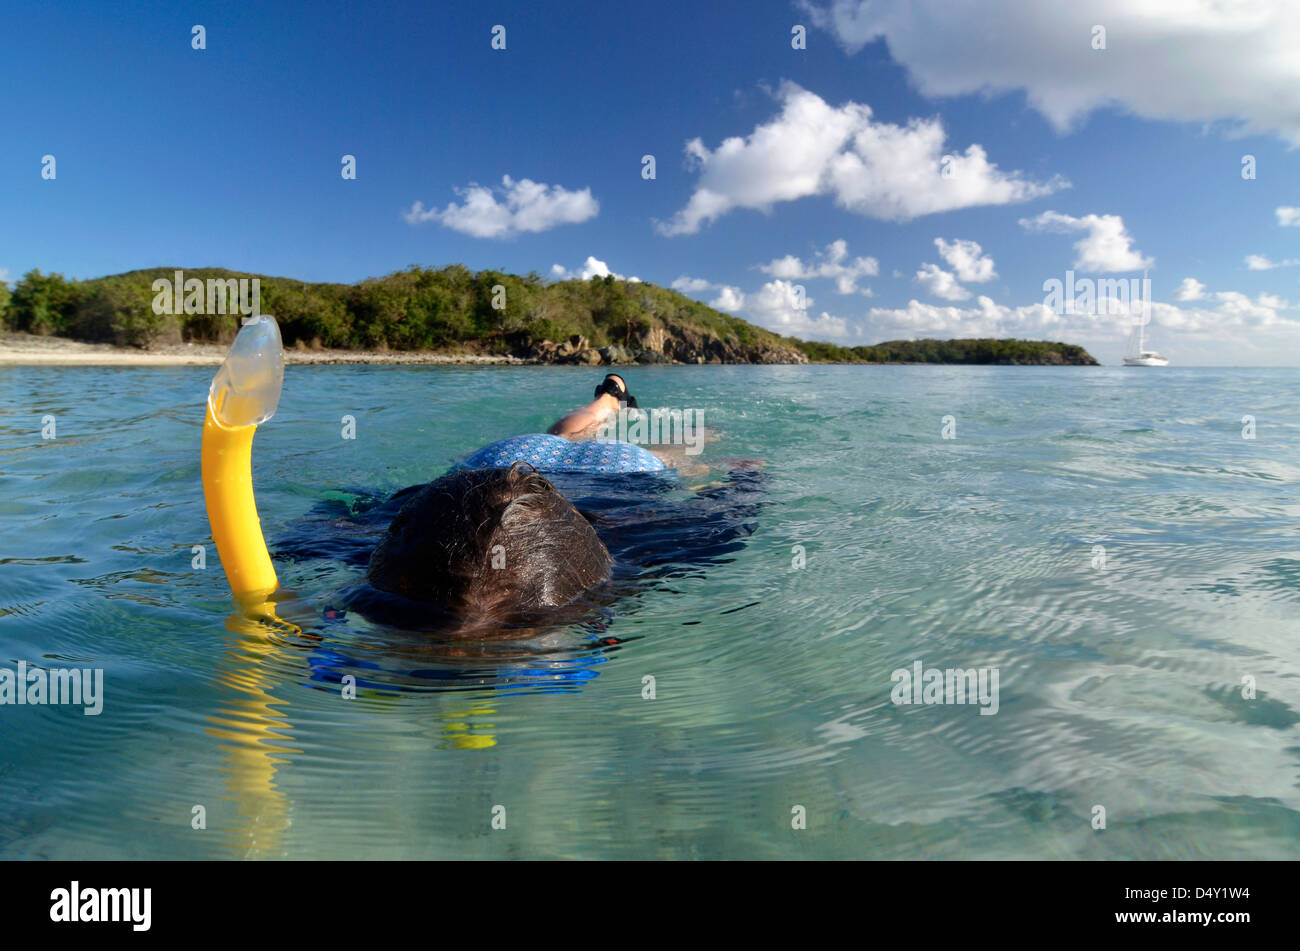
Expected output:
(1120, 681)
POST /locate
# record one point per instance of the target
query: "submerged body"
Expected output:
(545, 552)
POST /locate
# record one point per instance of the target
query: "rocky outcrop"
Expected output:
(656, 345)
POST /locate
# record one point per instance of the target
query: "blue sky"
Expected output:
(1068, 156)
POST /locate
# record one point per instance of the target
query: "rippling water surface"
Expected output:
(1104, 538)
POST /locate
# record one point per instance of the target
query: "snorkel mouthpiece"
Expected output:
(246, 390)
(244, 393)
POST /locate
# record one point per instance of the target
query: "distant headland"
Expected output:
(421, 315)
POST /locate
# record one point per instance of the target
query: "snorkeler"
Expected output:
(493, 548)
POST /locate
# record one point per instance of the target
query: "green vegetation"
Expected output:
(982, 350)
(451, 309)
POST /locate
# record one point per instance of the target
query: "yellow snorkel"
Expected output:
(244, 393)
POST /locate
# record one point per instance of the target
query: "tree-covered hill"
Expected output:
(602, 320)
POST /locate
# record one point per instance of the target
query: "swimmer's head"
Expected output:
(614, 386)
(490, 549)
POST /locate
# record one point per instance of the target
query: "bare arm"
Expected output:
(584, 420)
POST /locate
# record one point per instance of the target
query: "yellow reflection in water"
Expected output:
(458, 734)
(255, 725)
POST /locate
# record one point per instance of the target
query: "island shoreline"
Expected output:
(32, 350)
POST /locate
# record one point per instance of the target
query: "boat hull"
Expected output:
(1145, 362)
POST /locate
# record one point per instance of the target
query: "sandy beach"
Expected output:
(17, 349)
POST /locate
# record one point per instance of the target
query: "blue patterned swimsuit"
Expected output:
(548, 453)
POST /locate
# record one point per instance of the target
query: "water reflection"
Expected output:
(264, 652)
(255, 726)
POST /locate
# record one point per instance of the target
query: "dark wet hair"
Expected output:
(490, 547)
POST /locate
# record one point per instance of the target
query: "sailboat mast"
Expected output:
(1142, 319)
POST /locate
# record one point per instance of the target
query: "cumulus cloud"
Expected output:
(1262, 262)
(4, 275)
(967, 259)
(729, 298)
(830, 263)
(1105, 246)
(1288, 217)
(592, 267)
(1234, 311)
(1227, 315)
(968, 262)
(984, 319)
(691, 285)
(780, 307)
(1195, 61)
(875, 169)
(1189, 290)
(516, 207)
(941, 283)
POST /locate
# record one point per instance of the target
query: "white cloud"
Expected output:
(777, 307)
(1189, 290)
(729, 297)
(830, 264)
(592, 267)
(692, 285)
(984, 319)
(1261, 262)
(941, 283)
(967, 259)
(1288, 217)
(1195, 60)
(1234, 312)
(876, 169)
(1227, 326)
(525, 206)
(4, 275)
(1106, 246)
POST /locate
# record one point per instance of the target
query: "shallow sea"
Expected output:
(1104, 539)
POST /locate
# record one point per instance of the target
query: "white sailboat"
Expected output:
(1141, 356)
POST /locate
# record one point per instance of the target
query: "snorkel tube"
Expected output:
(244, 393)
